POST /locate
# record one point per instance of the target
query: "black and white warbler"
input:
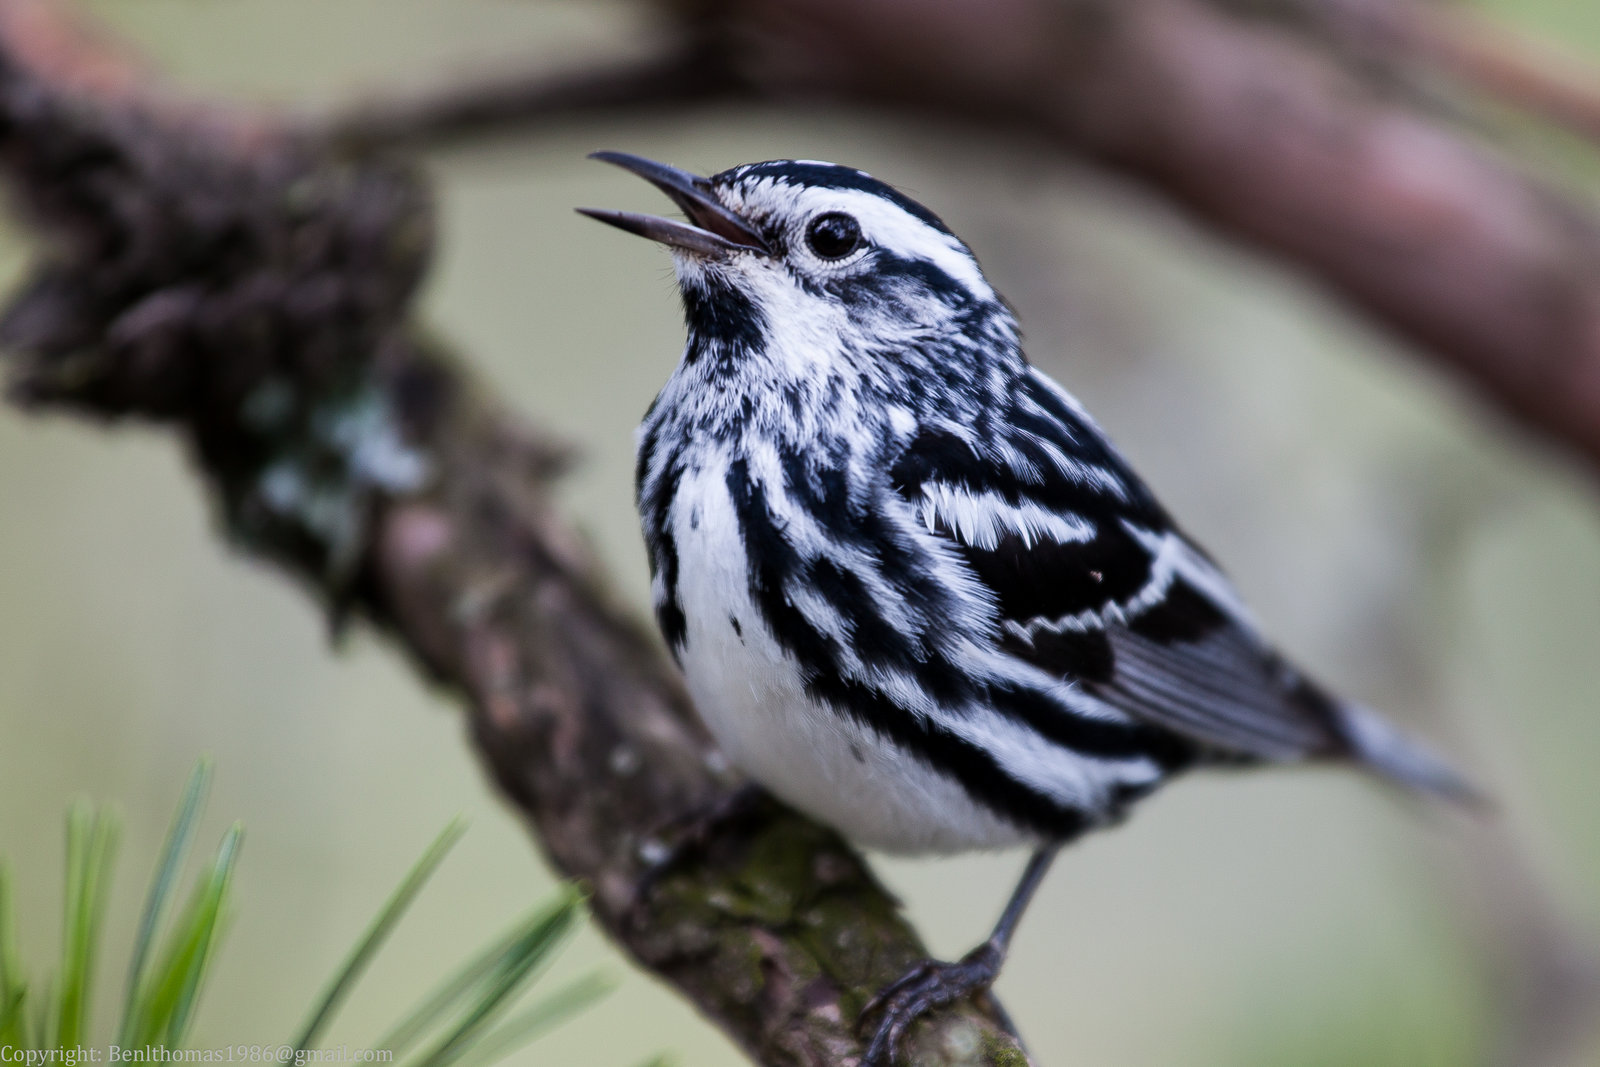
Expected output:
(914, 589)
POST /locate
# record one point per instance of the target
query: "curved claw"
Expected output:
(928, 985)
(888, 992)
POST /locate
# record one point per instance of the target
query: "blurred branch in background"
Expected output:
(684, 73)
(1264, 131)
(1545, 978)
(249, 279)
(1412, 37)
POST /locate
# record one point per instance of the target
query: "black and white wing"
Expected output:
(1095, 584)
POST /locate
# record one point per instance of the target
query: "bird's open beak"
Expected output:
(711, 230)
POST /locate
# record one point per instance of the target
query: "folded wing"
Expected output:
(1094, 584)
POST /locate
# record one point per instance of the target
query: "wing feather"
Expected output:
(1095, 585)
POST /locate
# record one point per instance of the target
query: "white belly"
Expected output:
(750, 695)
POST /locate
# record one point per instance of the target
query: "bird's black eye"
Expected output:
(834, 235)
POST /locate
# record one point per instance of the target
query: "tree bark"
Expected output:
(253, 291)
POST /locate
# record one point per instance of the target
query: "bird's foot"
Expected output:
(688, 836)
(926, 986)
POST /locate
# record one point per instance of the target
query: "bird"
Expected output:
(915, 591)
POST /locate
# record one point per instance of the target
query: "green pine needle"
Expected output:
(531, 1022)
(497, 958)
(91, 848)
(45, 1008)
(378, 932)
(172, 954)
(163, 1012)
(213, 915)
(173, 854)
(14, 1024)
(542, 935)
(13, 987)
(450, 992)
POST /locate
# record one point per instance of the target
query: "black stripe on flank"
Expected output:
(1092, 737)
(821, 489)
(767, 553)
(983, 778)
(874, 639)
(669, 612)
(655, 504)
(877, 643)
(818, 657)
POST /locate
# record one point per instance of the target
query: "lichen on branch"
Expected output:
(252, 289)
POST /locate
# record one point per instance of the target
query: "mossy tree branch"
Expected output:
(253, 291)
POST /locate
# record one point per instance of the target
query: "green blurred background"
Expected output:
(1404, 541)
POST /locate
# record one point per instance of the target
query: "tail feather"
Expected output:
(1381, 747)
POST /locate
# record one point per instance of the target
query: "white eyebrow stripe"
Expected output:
(885, 223)
(892, 227)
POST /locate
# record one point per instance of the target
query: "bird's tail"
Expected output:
(1378, 745)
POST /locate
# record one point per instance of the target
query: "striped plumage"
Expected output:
(913, 588)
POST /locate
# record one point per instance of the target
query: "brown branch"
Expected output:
(1533, 74)
(1449, 37)
(254, 291)
(684, 73)
(1261, 133)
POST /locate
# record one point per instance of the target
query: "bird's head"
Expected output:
(819, 260)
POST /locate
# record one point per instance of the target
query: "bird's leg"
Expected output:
(933, 982)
